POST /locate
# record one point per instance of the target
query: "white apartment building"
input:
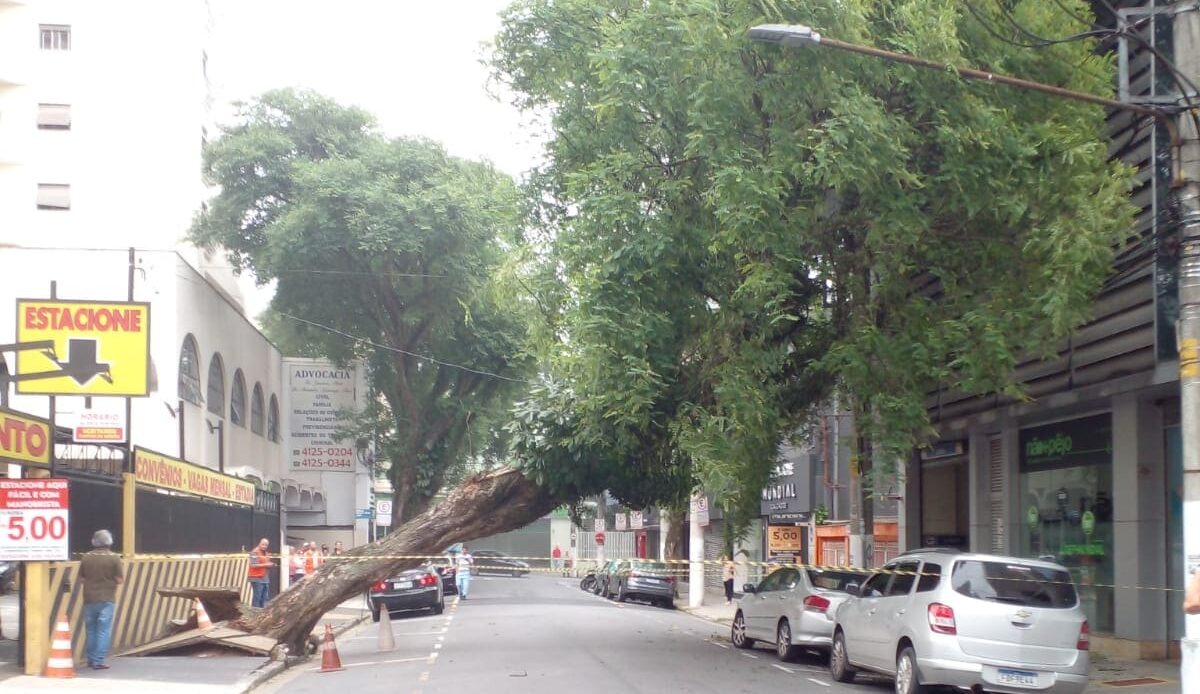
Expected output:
(104, 109)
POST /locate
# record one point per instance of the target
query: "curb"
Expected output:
(274, 667)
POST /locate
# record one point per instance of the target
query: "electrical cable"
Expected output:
(389, 348)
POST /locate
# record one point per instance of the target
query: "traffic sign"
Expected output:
(621, 521)
(600, 524)
(34, 519)
(94, 348)
(600, 538)
(636, 520)
(383, 512)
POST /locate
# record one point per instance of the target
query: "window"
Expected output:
(216, 385)
(237, 399)
(273, 420)
(53, 196)
(903, 579)
(771, 582)
(1018, 584)
(54, 117)
(931, 576)
(875, 585)
(56, 37)
(189, 372)
(256, 410)
(832, 580)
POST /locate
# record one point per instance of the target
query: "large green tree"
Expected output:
(724, 231)
(382, 249)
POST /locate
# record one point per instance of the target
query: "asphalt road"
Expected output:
(542, 634)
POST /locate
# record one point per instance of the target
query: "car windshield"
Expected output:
(650, 568)
(833, 580)
(1015, 583)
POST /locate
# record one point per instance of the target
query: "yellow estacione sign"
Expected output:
(85, 348)
(158, 470)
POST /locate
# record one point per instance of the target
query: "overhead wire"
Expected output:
(389, 348)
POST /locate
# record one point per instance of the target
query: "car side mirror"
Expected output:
(749, 588)
(853, 589)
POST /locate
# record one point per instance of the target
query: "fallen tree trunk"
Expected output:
(488, 503)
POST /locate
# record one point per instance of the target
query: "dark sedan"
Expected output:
(489, 561)
(643, 580)
(448, 573)
(415, 589)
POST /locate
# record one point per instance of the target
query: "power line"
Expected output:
(389, 348)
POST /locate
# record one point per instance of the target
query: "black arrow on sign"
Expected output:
(81, 364)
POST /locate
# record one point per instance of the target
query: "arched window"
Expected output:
(273, 420)
(237, 399)
(256, 410)
(216, 385)
(189, 371)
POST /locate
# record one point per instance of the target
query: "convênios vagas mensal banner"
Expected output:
(318, 394)
(158, 470)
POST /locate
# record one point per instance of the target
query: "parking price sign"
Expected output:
(34, 518)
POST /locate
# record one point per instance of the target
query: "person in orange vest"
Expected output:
(260, 582)
(311, 558)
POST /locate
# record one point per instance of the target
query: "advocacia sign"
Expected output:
(158, 470)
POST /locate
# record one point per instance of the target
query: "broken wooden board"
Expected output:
(218, 635)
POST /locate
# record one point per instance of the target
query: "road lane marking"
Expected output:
(816, 681)
(424, 677)
(373, 662)
(750, 655)
(788, 670)
(718, 645)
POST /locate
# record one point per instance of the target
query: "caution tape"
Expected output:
(504, 568)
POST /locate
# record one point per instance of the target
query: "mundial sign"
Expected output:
(82, 348)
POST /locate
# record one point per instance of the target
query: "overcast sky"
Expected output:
(415, 64)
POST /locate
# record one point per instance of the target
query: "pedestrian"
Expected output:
(296, 565)
(310, 558)
(462, 574)
(337, 549)
(257, 573)
(324, 551)
(556, 558)
(1191, 596)
(101, 573)
(727, 577)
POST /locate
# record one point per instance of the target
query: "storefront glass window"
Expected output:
(1066, 509)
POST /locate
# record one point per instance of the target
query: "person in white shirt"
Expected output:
(462, 574)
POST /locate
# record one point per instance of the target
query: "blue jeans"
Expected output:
(261, 593)
(98, 619)
(462, 580)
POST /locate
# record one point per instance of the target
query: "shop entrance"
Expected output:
(945, 520)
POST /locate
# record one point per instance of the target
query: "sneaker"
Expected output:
(99, 666)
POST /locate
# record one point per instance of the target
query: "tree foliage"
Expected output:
(383, 250)
(729, 229)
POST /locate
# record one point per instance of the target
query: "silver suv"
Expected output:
(933, 618)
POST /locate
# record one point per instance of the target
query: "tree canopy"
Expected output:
(383, 250)
(728, 230)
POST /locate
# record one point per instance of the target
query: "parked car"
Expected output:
(643, 580)
(415, 589)
(493, 562)
(605, 574)
(792, 608)
(449, 573)
(981, 621)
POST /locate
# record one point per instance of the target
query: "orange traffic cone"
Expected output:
(61, 663)
(387, 639)
(202, 621)
(330, 662)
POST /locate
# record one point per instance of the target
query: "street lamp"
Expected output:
(219, 427)
(1185, 194)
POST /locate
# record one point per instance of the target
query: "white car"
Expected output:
(792, 608)
(969, 621)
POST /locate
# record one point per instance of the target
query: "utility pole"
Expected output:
(1185, 199)
(696, 553)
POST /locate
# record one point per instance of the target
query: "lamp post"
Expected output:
(1185, 196)
(219, 427)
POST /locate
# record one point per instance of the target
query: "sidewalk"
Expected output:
(213, 672)
(1108, 675)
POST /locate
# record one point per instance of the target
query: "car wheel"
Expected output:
(516, 573)
(737, 633)
(783, 642)
(839, 662)
(439, 608)
(908, 680)
(621, 596)
(375, 613)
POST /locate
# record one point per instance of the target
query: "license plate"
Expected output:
(1016, 678)
(401, 585)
